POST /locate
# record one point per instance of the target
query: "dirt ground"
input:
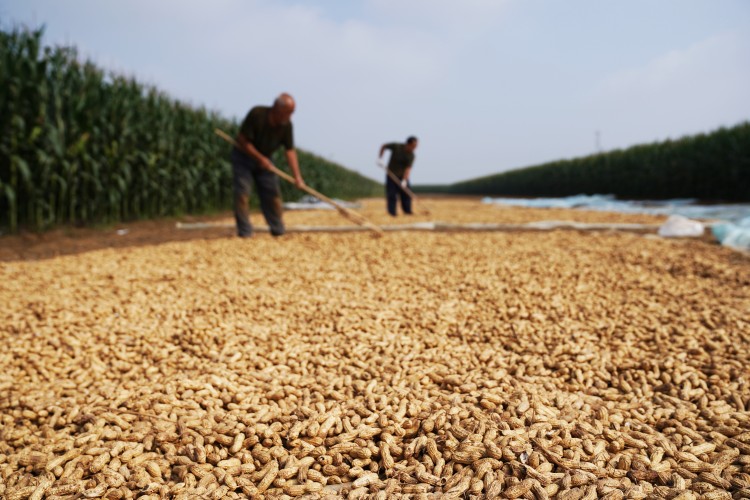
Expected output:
(71, 240)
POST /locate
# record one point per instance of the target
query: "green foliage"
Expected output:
(433, 188)
(327, 178)
(713, 166)
(78, 145)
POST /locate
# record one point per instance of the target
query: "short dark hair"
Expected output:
(411, 139)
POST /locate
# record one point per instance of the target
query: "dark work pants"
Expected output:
(245, 171)
(393, 192)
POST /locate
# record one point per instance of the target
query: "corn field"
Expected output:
(79, 145)
(714, 166)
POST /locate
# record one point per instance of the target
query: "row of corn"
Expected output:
(81, 145)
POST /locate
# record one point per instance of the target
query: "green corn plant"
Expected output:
(82, 146)
(713, 166)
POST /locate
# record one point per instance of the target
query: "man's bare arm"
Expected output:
(291, 159)
(246, 146)
(407, 172)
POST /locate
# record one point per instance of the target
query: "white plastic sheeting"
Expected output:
(679, 226)
(309, 202)
(686, 207)
(733, 228)
(546, 225)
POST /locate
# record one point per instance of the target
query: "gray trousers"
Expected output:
(245, 171)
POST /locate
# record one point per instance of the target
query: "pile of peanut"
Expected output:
(417, 365)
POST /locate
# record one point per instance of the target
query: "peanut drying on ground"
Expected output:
(485, 365)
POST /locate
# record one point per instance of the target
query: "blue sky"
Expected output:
(487, 85)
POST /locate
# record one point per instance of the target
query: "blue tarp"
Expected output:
(735, 235)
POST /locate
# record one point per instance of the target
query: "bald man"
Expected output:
(263, 131)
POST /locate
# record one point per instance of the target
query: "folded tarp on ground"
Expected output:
(734, 235)
(308, 202)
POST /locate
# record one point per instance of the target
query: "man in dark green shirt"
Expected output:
(400, 163)
(262, 132)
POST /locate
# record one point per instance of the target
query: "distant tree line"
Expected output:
(713, 166)
(81, 145)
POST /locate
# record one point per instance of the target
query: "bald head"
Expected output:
(284, 101)
(283, 107)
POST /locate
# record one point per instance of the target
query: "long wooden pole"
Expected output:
(349, 214)
(406, 189)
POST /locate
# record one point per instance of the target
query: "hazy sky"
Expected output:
(487, 85)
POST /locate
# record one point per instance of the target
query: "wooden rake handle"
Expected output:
(405, 189)
(349, 214)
